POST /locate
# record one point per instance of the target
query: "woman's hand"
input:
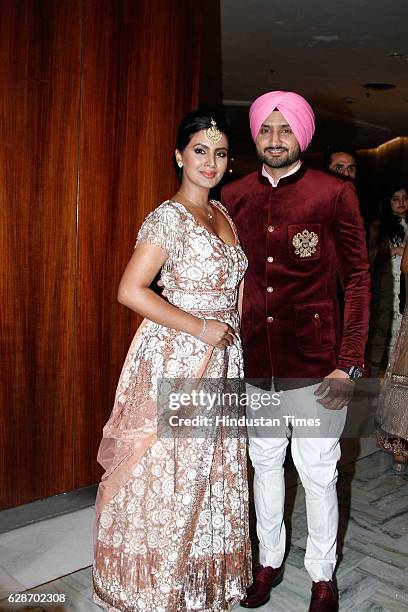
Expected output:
(397, 250)
(217, 334)
(135, 293)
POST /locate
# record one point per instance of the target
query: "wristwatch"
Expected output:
(354, 372)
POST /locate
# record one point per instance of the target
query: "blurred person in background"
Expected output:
(387, 238)
(341, 160)
(392, 412)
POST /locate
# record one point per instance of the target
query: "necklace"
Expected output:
(209, 211)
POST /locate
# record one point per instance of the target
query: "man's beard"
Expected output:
(281, 162)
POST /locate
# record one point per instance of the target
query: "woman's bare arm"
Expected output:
(134, 293)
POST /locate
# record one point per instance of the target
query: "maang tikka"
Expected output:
(213, 133)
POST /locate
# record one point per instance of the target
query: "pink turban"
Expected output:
(296, 110)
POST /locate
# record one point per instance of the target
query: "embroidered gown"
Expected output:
(385, 321)
(172, 512)
(392, 411)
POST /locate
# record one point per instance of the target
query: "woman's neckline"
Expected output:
(214, 203)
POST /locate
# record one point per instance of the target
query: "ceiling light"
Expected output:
(379, 86)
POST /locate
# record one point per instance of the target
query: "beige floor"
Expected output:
(372, 571)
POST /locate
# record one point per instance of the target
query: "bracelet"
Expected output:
(203, 328)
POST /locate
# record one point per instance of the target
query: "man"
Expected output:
(341, 160)
(299, 228)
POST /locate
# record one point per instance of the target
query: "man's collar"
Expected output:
(287, 180)
(289, 173)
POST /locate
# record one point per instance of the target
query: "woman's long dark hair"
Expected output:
(390, 225)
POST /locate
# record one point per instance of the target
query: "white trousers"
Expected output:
(315, 453)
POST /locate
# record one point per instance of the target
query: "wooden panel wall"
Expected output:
(91, 96)
(40, 54)
(388, 163)
(147, 79)
(211, 94)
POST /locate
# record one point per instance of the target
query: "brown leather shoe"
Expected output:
(259, 592)
(325, 597)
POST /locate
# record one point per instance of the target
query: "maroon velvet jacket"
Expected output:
(298, 237)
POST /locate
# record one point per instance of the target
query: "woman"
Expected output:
(387, 240)
(172, 519)
(392, 413)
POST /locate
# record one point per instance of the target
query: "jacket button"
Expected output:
(271, 228)
(269, 289)
(270, 259)
(317, 316)
(269, 319)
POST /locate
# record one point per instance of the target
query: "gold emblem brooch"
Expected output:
(305, 243)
